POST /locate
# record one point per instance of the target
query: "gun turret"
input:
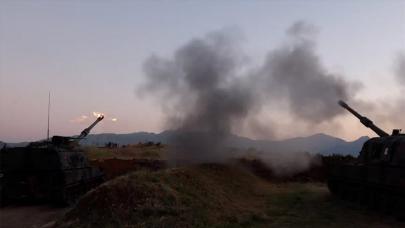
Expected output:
(73, 141)
(86, 131)
(364, 120)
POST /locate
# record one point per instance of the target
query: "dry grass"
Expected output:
(129, 152)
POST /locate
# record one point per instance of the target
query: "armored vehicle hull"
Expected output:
(56, 171)
(48, 173)
(377, 176)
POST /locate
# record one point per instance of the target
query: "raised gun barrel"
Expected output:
(364, 120)
(86, 131)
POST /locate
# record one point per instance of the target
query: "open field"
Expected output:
(215, 196)
(142, 192)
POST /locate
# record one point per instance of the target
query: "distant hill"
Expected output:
(319, 143)
(124, 139)
(13, 144)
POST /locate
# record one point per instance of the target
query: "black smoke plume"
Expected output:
(201, 83)
(207, 89)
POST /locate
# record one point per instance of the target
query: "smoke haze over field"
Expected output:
(207, 91)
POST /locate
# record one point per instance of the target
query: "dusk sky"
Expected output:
(89, 55)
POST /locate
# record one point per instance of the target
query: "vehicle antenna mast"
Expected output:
(49, 108)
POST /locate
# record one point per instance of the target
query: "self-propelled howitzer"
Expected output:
(377, 176)
(56, 170)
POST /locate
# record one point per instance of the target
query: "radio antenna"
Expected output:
(49, 108)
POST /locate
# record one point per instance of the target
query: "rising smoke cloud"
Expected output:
(400, 69)
(206, 90)
(295, 72)
(389, 111)
(398, 108)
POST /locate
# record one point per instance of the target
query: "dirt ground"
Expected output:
(15, 216)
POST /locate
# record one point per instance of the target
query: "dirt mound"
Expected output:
(180, 197)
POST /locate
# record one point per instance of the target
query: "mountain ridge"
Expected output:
(317, 144)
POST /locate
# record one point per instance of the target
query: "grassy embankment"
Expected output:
(214, 196)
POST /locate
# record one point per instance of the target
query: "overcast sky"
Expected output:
(89, 54)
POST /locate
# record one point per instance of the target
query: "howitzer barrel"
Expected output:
(86, 131)
(364, 120)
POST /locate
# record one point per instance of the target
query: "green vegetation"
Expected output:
(214, 196)
(311, 205)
